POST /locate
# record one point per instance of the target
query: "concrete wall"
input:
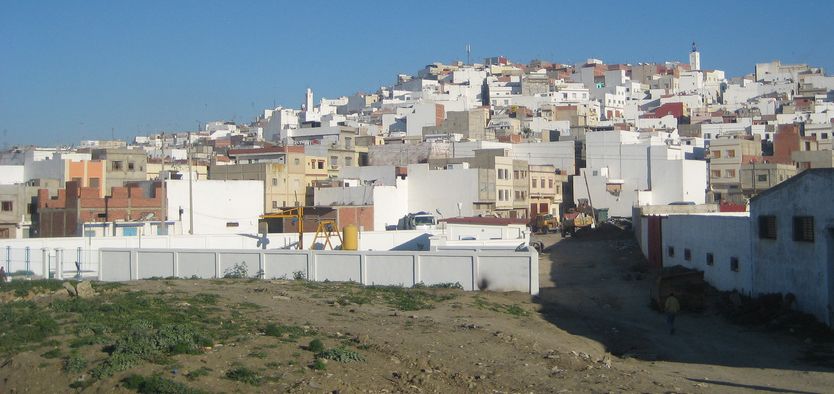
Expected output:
(726, 236)
(485, 270)
(63, 253)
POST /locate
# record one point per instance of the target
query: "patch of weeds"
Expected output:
(23, 324)
(104, 286)
(54, 353)
(510, 309)
(299, 275)
(81, 384)
(198, 373)
(443, 285)
(244, 375)
(258, 354)
(204, 299)
(315, 346)
(272, 364)
(237, 271)
(319, 365)
(23, 287)
(249, 305)
(87, 341)
(144, 342)
(156, 385)
(74, 363)
(287, 331)
(341, 355)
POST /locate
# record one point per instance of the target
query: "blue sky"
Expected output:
(73, 70)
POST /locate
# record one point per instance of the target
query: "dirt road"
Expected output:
(589, 288)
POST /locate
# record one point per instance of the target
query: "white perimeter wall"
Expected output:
(484, 270)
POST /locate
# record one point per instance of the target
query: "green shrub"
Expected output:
(237, 271)
(54, 353)
(74, 363)
(319, 365)
(341, 355)
(157, 385)
(143, 342)
(244, 375)
(316, 346)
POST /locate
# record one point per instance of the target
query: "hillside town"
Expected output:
(747, 160)
(576, 188)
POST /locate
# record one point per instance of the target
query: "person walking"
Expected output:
(2, 275)
(671, 308)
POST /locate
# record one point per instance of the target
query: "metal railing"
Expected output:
(55, 263)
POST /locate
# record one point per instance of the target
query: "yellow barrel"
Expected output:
(350, 237)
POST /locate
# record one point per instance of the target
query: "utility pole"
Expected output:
(754, 175)
(190, 188)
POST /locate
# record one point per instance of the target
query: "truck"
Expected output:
(417, 221)
(581, 217)
(544, 223)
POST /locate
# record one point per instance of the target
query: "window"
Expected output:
(534, 184)
(131, 166)
(232, 224)
(94, 182)
(275, 204)
(515, 175)
(729, 173)
(687, 255)
(731, 153)
(710, 259)
(162, 229)
(803, 228)
(274, 181)
(716, 173)
(129, 232)
(767, 227)
(761, 178)
(296, 161)
(320, 164)
(734, 264)
(671, 251)
(824, 136)
(117, 165)
(7, 206)
(348, 161)
(78, 181)
(716, 154)
(550, 183)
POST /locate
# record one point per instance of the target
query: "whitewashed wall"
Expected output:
(724, 235)
(484, 270)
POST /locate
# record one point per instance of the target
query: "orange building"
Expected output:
(88, 173)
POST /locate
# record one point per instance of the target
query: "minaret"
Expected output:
(694, 58)
(308, 101)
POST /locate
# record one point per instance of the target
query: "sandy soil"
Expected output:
(591, 330)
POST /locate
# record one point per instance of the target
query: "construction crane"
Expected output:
(296, 214)
(325, 229)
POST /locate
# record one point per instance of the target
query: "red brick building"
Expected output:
(63, 215)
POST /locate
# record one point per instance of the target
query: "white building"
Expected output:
(220, 207)
(624, 170)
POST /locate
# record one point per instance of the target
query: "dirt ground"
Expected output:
(591, 330)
